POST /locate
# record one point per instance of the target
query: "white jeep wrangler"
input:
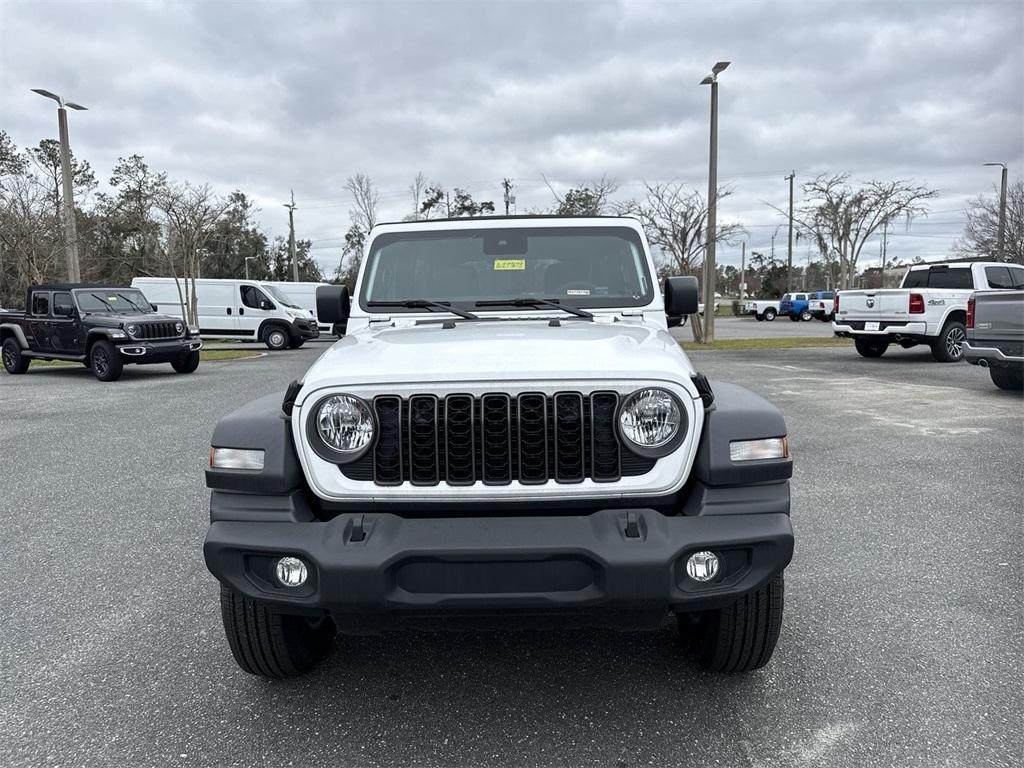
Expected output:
(507, 434)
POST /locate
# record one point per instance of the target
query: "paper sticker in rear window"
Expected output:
(509, 265)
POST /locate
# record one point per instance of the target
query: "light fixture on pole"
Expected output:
(1001, 240)
(70, 230)
(709, 256)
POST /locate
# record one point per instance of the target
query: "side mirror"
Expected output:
(680, 296)
(266, 305)
(674, 321)
(333, 304)
(154, 307)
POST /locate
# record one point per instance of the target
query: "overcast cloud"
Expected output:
(267, 97)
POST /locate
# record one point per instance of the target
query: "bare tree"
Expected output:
(189, 215)
(416, 189)
(364, 199)
(841, 218)
(981, 232)
(675, 220)
(31, 241)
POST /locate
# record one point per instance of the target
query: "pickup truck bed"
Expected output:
(995, 336)
(930, 308)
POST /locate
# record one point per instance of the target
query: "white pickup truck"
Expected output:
(762, 309)
(929, 308)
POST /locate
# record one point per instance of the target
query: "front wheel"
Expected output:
(805, 316)
(770, 314)
(105, 361)
(14, 361)
(740, 637)
(276, 338)
(268, 643)
(186, 364)
(1008, 378)
(946, 348)
(870, 347)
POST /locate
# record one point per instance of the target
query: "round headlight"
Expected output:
(178, 327)
(132, 329)
(344, 424)
(650, 420)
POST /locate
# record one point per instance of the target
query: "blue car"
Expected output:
(797, 305)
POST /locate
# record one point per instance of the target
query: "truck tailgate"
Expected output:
(874, 305)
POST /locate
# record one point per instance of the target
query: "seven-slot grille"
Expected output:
(159, 330)
(496, 439)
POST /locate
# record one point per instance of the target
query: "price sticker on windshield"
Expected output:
(509, 265)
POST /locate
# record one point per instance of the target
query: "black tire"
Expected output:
(870, 347)
(1008, 378)
(269, 643)
(186, 364)
(14, 361)
(946, 348)
(296, 344)
(740, 637)
(105, 361)
(760, 318)
(770, 314)
(805, 316)
(794, 318)
(276, 338)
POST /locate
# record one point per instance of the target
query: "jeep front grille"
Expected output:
(496, 439)
(161, 330)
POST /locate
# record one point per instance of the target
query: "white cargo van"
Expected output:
(247, 310)
(302, 295)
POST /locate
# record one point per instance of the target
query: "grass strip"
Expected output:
(793, 342)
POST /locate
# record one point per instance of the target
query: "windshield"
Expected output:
(278, 295)
(123, 301)
(578, 266)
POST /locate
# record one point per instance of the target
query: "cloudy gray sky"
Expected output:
(270, 96)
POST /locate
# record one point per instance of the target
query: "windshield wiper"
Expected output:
(108, 304)
(135, 306)
(531, 302)
(425, 304)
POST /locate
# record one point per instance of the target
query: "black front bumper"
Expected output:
(612, 559)
(304, 330)
(145, 352)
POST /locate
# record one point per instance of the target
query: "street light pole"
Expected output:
(1001, 241)
(709, 257)
(247, 259)
(789, 250)
(70, 230)
(743, 269)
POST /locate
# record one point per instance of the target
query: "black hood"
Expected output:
(114, 319)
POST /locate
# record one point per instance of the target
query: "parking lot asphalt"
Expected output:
(901, 643)
(747, 327)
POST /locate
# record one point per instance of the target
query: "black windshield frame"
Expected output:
(598, 301)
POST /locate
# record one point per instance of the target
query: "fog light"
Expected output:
(236, 458)
(702, 566)
(291, 572)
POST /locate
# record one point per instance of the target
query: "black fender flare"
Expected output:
(266, 325)
(13, 331)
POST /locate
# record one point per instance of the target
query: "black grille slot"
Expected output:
(423, 445)
(604, 445)
(569, 442)
(460, 439)
(533, 438)
(496, 438)
(387, 453)
(160, 330)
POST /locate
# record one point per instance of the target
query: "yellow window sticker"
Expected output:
(509, 265)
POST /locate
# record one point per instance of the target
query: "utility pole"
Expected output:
(789, 262)
(291, 238)
(743, 269)
(510, 199)
(1001, 240)
(70, 230)
(709, 257)
(247, 260)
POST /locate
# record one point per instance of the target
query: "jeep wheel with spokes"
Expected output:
(105, 361)
(14, 361)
